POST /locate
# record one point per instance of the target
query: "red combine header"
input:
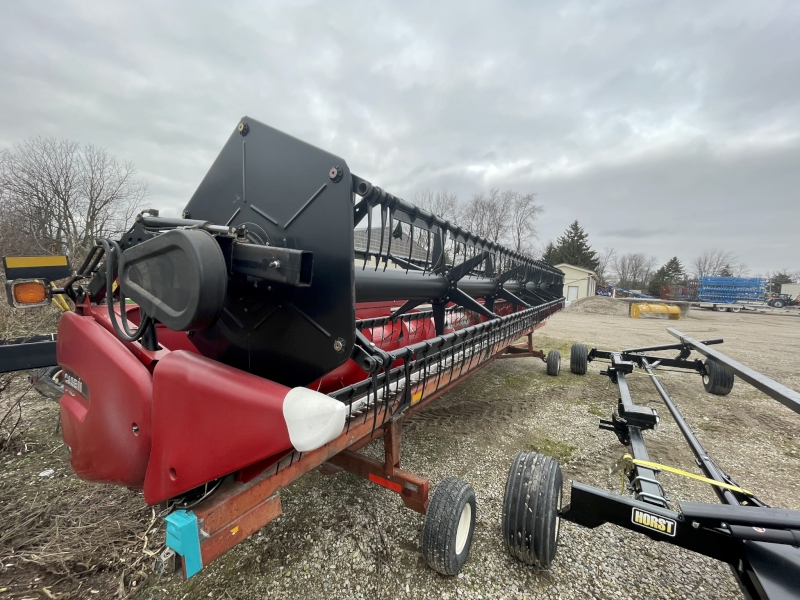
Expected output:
(213, 359)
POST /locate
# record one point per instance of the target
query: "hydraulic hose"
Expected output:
(146, 321)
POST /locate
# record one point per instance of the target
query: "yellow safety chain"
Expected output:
(626, 463)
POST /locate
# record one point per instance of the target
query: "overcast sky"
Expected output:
(663, 127)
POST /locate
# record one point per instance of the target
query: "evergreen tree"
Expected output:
(777, 280)
(549, 254)
(726, 271)
(573, 248)
(670, 273)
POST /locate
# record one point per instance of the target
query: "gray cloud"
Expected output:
(679, 120)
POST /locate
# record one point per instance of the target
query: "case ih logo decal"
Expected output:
(654, 522)
(74, 382)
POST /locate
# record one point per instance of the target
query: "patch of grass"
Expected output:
(711, 427)
(558, 450)
(593, 410)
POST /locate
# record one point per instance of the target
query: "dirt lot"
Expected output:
(343, 537)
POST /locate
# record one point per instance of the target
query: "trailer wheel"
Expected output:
(718, 379)
(46, 382)
(553, 362)
(449, 525)
(578, 359)
(734, 309)
(530, 509)
(720, 308)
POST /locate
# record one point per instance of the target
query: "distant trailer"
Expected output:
(731, 293)
(726, 306)
(749, 306)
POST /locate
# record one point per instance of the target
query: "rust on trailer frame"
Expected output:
(413, 489)
(525, 349)
(240, 509)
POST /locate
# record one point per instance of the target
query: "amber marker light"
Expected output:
(30, 292)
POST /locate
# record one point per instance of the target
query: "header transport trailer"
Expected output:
(261, 344)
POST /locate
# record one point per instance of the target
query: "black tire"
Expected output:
(718, 379)
(720, 308)
(553, 362)
(445, 541)
(777, 303)
(530, 509)
(578, 359)
(734, 309)
(46, 382)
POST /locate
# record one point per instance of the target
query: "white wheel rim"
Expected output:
(464, 522)
(558, 518)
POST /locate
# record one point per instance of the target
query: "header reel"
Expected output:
(263, 273)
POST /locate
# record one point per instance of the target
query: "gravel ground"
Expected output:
(343, 537)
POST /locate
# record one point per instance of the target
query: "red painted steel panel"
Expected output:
(341, 377)
(419, 330)
(369, 310)
(107, 427)
(169, 339)
(209, 420)
(386, 337)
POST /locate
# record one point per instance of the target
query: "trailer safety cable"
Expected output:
(627, 458)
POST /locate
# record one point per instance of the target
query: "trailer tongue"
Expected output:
(760, 543)
(261, 344)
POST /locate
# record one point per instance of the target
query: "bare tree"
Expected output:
(634, 270)
(489, 214)
(712, 262)
(110, 196)
(63, 195)
(441, 203)
(507, 217)
(740, 269)
(524, 212)
(606, 258)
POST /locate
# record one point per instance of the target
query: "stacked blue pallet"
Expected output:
(732, 289)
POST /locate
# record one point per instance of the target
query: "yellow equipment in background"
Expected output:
(673, 312)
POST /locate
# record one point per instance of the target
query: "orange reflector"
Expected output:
(30, 292)
(391, 485)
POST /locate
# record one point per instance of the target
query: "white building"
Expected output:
(578, 282)
(793, 289)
